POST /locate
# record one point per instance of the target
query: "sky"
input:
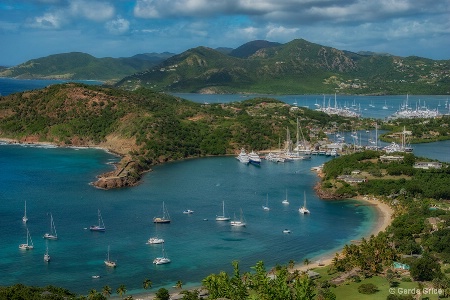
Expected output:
(120, 28)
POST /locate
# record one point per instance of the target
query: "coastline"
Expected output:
(383, 220)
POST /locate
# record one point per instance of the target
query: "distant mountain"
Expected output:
(224, 50)
(154, 57)
(297, 67)
(251, 48)
(79, 66)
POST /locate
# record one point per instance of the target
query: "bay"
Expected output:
(56, 180)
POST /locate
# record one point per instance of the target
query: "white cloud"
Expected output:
(47, 21)
(118, 26)
(91, 10)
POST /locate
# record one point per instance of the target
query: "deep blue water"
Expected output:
(57, 180)
(10, 86)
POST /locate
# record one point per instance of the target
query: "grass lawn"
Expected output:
(350, 291)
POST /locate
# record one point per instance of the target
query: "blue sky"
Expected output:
(121, 28)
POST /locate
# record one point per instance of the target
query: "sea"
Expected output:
(56, 181)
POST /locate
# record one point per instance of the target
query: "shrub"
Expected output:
(367, 288)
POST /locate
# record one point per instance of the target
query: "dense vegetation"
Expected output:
(82, 66)
(297, 67)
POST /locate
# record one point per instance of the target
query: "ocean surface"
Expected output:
(56, 180)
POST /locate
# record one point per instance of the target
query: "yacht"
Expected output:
(243, 157)
(29, 244)
(285, 201)
(238, 222)
(165, 219)
(254, 158)
(188, 211)
(223, 217)
(286, 231)
(155, 240)
(303, 209)
(161, 260)
(109, 262)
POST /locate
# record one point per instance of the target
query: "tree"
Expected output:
(121, 290)
(147, 283)
(106, 291)
(162, 294)
(190, 295)
(291, 264)
(306, 262)
(304, 288)
(425, 268)
(179, 284)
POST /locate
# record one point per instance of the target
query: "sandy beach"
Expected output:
(384, 219)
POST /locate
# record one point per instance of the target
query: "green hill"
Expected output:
(148, 128)
(295, 67)
(82, 66)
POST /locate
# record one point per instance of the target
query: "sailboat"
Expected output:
(100, 226)
(266, 207)
(46, 255)
(52, 235)
(303, 209)
(240, 222)
(163, 259)
(285, 201)
(223, 217)
(385, 105)
(29, 244)
(109, 262)
(24, 218)
(165, 219)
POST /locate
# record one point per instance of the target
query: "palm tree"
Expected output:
(306, 262)
(147, 283)
(92, 294)
(121, 290)
(106, 291)
(291, 264)
(179, 284)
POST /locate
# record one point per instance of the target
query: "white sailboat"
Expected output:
(29, 244)
(239, 222)
(385, 105)
(52, 235)
(266, 207)
(285, 201)
(109, 262)
(100, 226)
(46, 255)
(303, 209)
(223, 217)
(165, 219)
(163, 259)
(25, 218)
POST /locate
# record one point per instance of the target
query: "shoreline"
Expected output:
(383, 220)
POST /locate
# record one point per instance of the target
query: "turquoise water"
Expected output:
(57, 180)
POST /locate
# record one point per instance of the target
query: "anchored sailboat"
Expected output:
(52, 235)
(223, 217)
(109, 262)
(163, 259)
(25, 218)
(165, 217)
(29, 244)
(240, 222)
(100, 226)
(46, 255)
(303, 209)
(266, 207)
(285, 201)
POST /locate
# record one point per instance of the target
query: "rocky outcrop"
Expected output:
(327, 194)
(107, 183)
